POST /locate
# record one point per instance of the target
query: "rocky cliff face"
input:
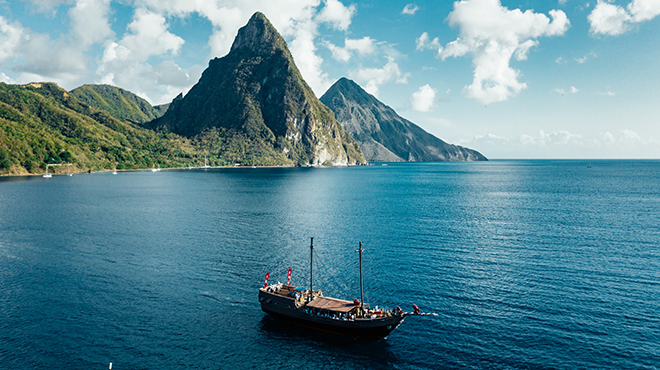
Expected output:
(254, 101)
(383, 135)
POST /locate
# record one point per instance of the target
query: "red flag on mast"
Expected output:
(266, 280)
(288, 277)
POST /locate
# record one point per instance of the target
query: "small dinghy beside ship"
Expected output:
(309, 308)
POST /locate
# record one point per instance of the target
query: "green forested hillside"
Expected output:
(118, 102)
(43, 124)
(251, 106)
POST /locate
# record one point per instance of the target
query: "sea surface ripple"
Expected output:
(530, 264)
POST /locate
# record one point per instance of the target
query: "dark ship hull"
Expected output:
(305, 307)
(343, 320)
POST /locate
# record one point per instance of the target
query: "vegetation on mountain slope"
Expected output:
(43, 124)
(120, 103)
(256, 95)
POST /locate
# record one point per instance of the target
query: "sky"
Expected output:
(511, 79)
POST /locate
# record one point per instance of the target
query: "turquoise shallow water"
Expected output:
(528, 264)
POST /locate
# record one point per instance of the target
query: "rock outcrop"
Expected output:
(383, 135)
(254, 103)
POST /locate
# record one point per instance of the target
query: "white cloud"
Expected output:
(523, 49)
(48, 3)
(630, 135)
(605, 138)
(33, 56)
(299, 22)
(171, 74)
(644, 10)
(149, 36)
(89, 20)
(572, 90)
(410, 9)
(372, 78)
(48, 7)
(363, 46)
(584, 59)
(10, 38)
(133, 60)
(608, 19)
(126, 63)
(564, 144)
(493, 34)
(4, 78)
(338, 15)
(628, 140)
(50, 60)
(562, 137)
(556, 144)
(338, 53)
(424, 43)
(611, 19)
(226, 22)
(422, 99)
(308, 62)
(64, 60)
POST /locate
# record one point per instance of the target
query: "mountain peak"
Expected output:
(345, 85)
(346, 82)
(253, 105)
(259, 36)
(383, 135)
(350, 90)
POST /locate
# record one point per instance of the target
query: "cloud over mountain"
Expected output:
(132, 59)
(374, 77)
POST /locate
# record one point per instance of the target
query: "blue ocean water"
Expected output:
(528, 264)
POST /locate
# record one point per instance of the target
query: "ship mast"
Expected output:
(311, 267)
(361, 289)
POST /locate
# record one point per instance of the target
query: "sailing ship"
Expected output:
(307, 307)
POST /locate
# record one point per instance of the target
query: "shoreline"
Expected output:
(174, 169)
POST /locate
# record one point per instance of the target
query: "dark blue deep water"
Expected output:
(528, 264)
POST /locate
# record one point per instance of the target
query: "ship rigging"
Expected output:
(309, 308)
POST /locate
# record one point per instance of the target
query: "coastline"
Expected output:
(89, 172)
